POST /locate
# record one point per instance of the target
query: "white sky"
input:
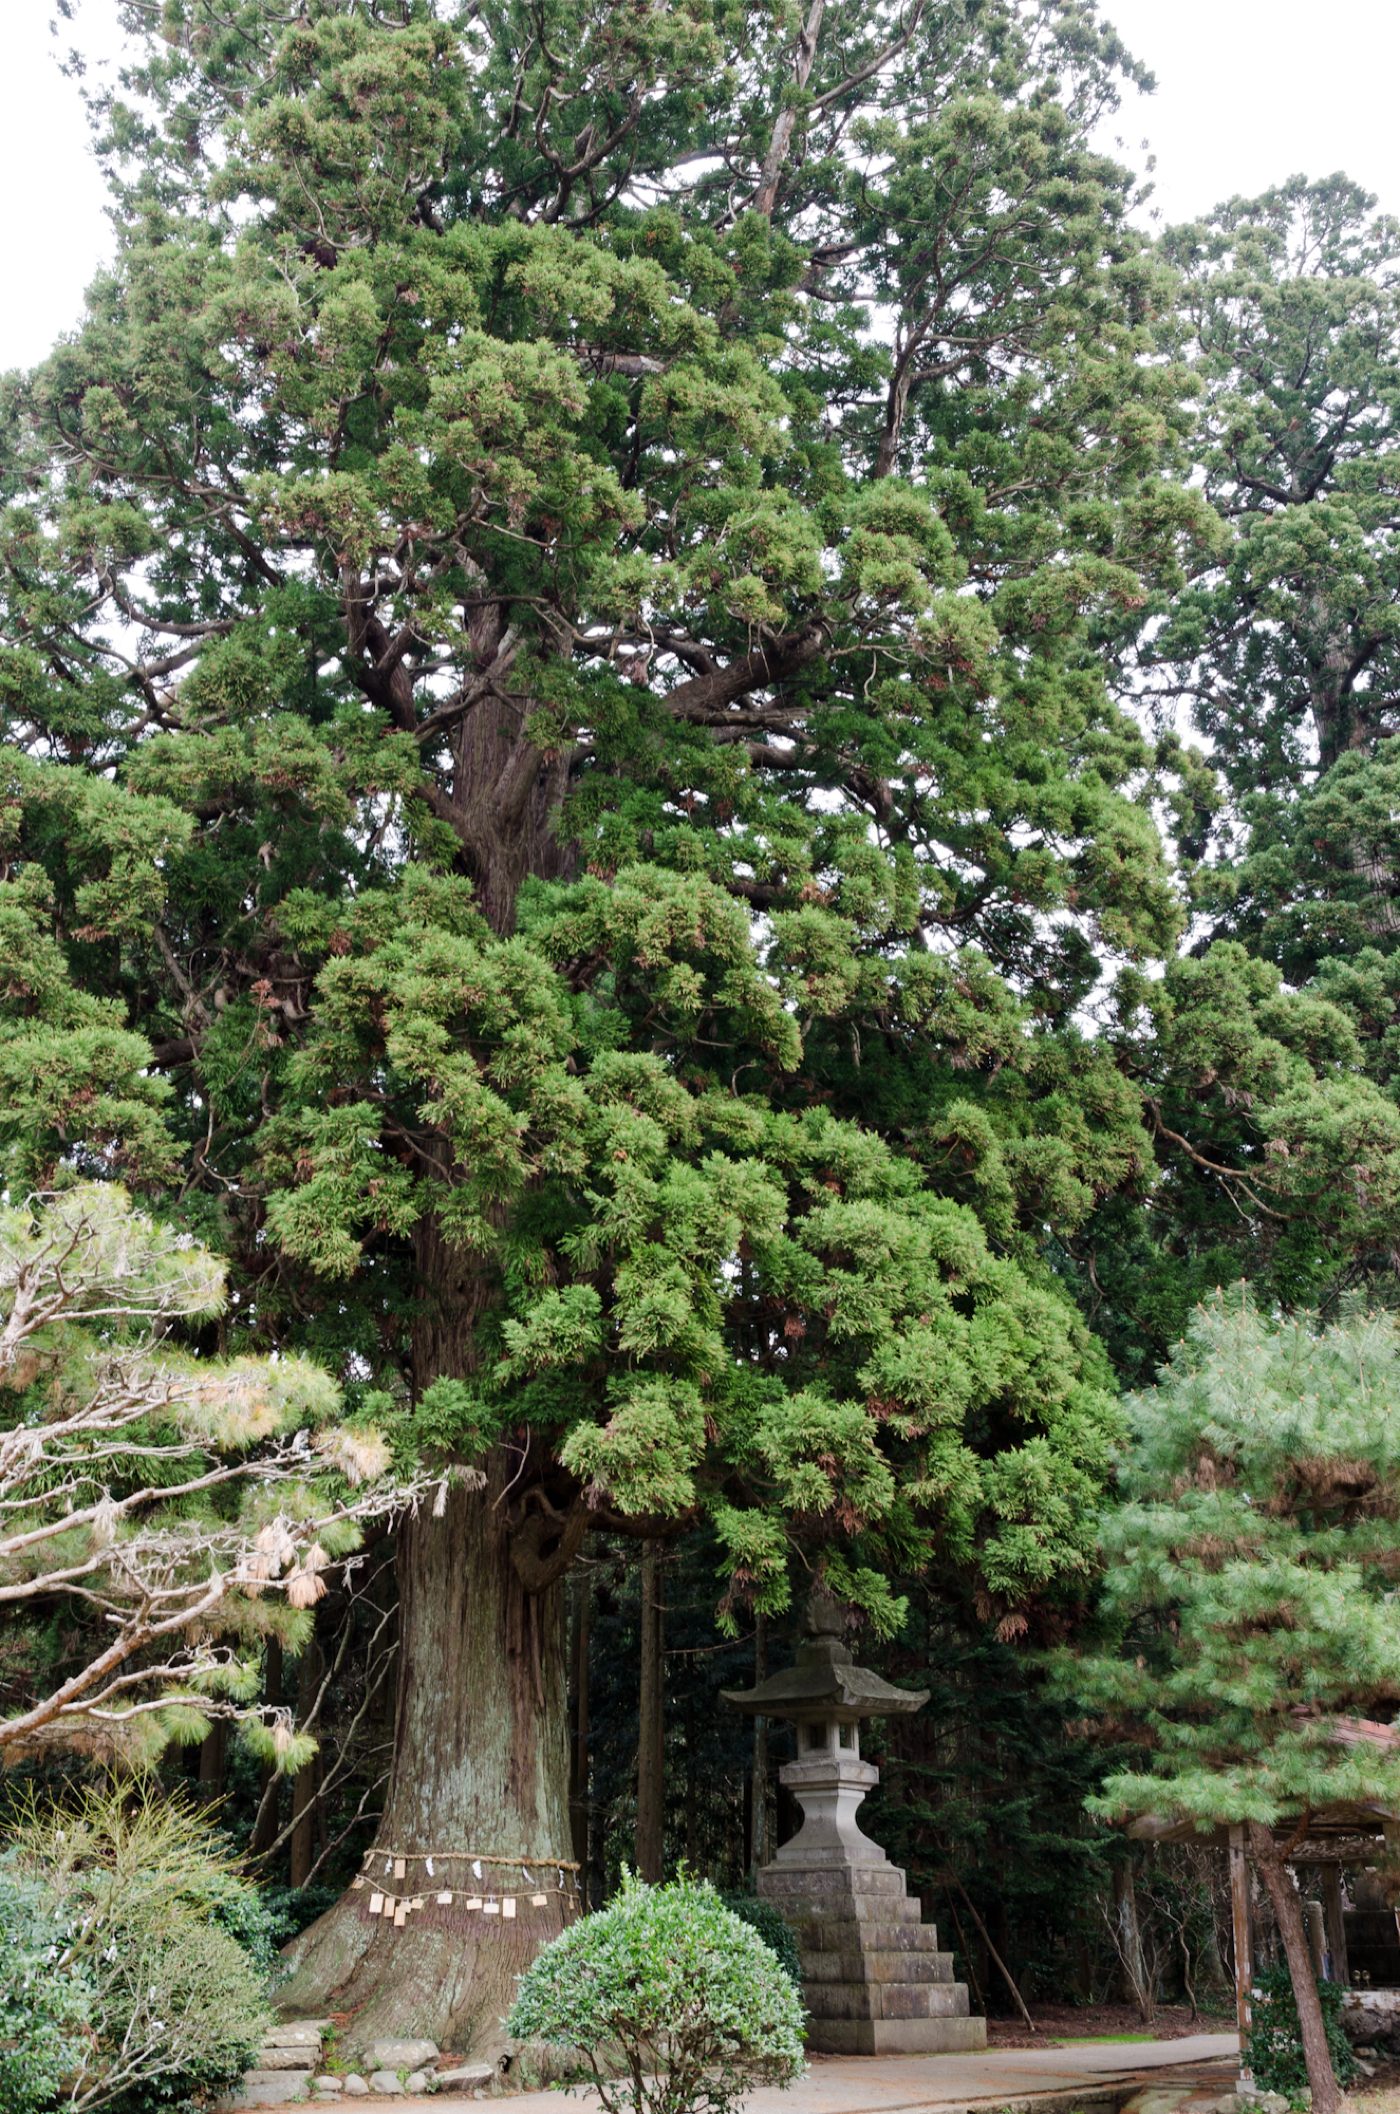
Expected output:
(1249, 92)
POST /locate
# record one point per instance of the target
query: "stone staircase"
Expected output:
(289, 2071)
(873, 1979)
(284, 2071)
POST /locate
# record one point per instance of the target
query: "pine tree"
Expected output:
(1250, 1643)
(563, 779)
(164, 1515)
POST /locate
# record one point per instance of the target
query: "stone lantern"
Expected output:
(873, 1978)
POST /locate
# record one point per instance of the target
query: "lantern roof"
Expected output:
(825, 1681)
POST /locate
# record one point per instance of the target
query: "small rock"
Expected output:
(385, 2081)
(356, 2086)
(1370, 2015)
(400, 2055)
(328, 2084)
(464, 2077)
(417, 2081)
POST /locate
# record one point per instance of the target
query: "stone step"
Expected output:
(942, 2036)
(300, 2056)
(886, 2000)
(267, 2088)
(298, 2033)
(464, 2077)
(860, 1965)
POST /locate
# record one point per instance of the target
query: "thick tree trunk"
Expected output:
(481, 1753)
(213, 1761)
(481, 1770)
(1288, 1912)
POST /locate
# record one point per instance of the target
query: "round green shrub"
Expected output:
(1274, 2050)
(45, 1999)
(673, 1988)
(773, 1927)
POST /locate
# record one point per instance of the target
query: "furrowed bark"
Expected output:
(481, 1769)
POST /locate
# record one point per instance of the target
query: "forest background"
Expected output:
(697, 762)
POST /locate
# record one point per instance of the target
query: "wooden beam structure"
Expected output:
(1337, 1968)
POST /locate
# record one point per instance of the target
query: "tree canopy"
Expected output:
(697, 760)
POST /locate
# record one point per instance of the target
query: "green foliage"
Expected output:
(283, 1912)
(581, 584)
(698, 2005)
(774, 1929)
(45, 1997)
(147, 1900)
(691, 1282)
(1288, 313)
(1282, 647)
(1249, 1570)
(1273, 2051)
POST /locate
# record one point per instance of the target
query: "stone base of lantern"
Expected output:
(873, 1979)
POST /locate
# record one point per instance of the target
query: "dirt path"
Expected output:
(912, 2084)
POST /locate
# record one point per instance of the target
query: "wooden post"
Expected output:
(1244, 1948)
(1338, 1969)
(1317, 1937)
